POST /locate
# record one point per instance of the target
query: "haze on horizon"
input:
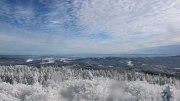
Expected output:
(89, 26)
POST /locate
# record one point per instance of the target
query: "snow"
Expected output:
(100, 65)
(65, 60)
(62, 84)
(99, 89)
(129, 63)
(29, 60)
(48, 60)
(177, 68)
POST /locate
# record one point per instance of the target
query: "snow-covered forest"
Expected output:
(24, 83)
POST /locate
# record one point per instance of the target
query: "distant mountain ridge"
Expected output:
(169, 49)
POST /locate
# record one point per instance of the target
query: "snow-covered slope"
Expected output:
(99, 89)
(63, 84)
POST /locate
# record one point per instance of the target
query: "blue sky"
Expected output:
(87, 26)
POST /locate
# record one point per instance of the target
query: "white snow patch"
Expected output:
(29, 60)
(129, 63)
(48, 60)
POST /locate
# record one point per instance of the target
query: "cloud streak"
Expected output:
(76, 26)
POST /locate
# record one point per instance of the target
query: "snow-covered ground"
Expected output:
(129, 63)
(29, 60)
(63, 84)
(98, 89)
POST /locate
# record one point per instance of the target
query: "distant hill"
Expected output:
(169, 49)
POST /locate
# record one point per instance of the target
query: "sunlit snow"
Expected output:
(63, 84)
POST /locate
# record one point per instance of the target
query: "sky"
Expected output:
(88, 26)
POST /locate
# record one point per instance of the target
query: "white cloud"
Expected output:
(24, 14)
(131, 24)
(138, 23)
